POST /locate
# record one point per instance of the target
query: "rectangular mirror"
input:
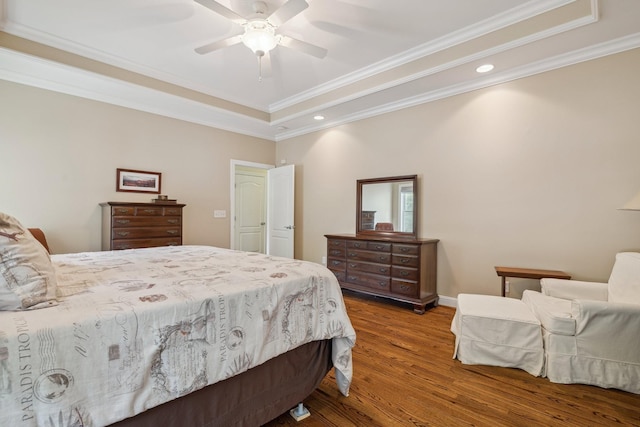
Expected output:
(388, 206)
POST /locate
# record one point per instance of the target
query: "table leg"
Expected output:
(504, 285)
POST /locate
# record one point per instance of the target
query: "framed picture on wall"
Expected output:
(138, 181)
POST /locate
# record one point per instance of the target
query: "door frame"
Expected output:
(232, 192)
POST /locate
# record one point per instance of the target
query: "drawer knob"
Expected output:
(382, 270)
(353, 255)
(404, 273)
(150, 211)
(352, 265)
(357, 245)
(122, 221)
(378, 247)
(173, 221)
(122, 211)
(382, 284)
(172, 231)
(404, 287)
(404, 260)
(122, 233)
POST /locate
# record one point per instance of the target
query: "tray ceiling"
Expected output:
(382, 55)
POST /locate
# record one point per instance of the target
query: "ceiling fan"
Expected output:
(260, 29)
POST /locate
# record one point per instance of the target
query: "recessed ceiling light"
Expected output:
(318, 117)
(484, 68)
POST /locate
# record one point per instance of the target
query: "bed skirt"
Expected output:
(252, 398)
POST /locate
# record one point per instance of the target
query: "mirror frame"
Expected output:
(396, 234)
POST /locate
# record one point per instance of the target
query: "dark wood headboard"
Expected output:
(39, 235)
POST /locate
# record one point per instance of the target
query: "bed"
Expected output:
(186, 335)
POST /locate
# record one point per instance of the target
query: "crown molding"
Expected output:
(104, 57)
(571, 25)
(32, 71)
(622, 44)
(518, 14)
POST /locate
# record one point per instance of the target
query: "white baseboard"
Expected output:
(448, 301)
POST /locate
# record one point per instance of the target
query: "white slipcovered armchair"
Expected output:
(591, 331)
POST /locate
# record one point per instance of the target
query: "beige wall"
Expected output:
(527, 173)
(59, 154)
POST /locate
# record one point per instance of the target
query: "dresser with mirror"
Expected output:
(385, 257)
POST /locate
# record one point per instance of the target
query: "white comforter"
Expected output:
(140, 327)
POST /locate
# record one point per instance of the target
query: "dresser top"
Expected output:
(180, 205)
(395, 239)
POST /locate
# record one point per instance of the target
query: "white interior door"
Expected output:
(280, 211)
(250, 212)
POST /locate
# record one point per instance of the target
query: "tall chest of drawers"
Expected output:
(140, 225)
(403, 270)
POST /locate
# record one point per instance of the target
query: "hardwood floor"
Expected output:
(404, 376)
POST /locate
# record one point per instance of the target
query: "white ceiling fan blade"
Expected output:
(219, 44)
(287, 11)
(222, 10)
(305, 47)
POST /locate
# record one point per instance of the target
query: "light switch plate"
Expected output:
(219, 214)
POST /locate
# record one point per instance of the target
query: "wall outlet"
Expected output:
(324, 260)
(219, 214)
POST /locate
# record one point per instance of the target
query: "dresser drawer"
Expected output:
(378, 283)
(149, 211)
(144, 232)
(123, 210)
(367, 267)
(141, 221)
(404, 287)
(369, 245)
(357, 244)
(405, 249)
(409, 261)
(336, 252)
(171, 211)
(336, 264)
(404, 273)
(380, 257)
(336, 244)
(146, 243)
(379, 246)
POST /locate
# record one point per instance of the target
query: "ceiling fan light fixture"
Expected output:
(260, 36)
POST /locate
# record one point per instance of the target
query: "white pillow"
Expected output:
(624, 282)
(27, 277)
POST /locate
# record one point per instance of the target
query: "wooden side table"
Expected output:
(528, 273)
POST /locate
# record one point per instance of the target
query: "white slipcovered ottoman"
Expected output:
(497, 331)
